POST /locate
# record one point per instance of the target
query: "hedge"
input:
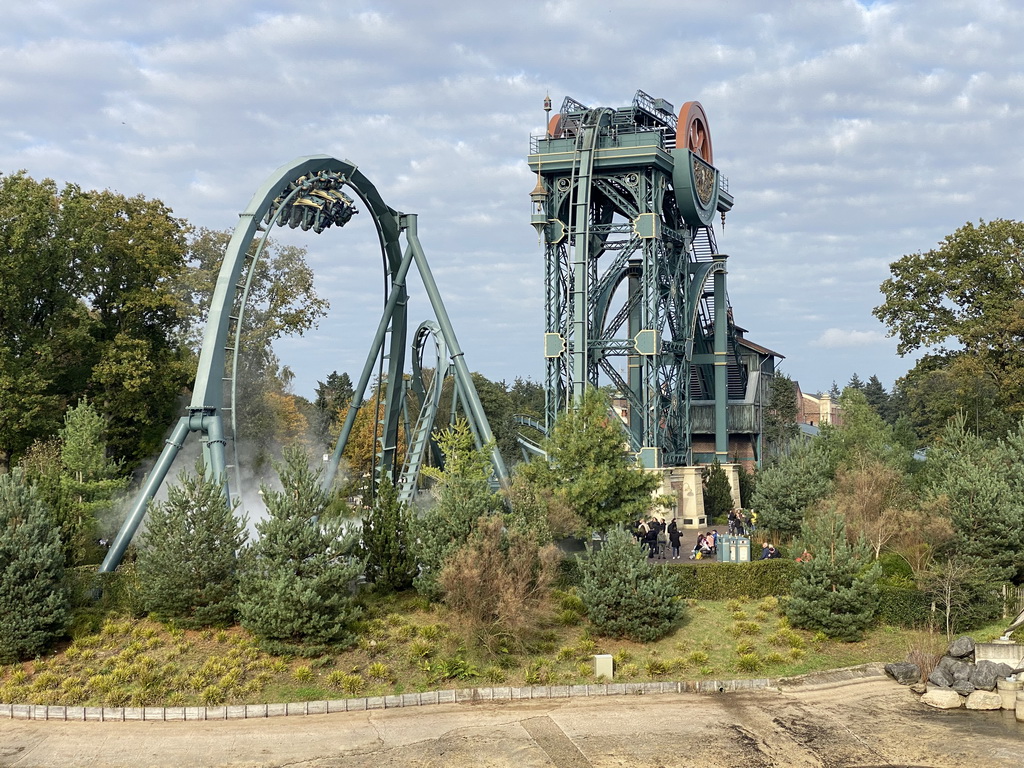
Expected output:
(718, 581)
(903, 606)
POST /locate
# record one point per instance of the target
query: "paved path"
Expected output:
(860, 724)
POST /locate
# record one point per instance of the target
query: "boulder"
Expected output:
(961, 670)
(940, 678)
(962, 686)
(919, 687)
(905, 673)
(942, 698)
(987, 672)
(961, 648)
(983, 700)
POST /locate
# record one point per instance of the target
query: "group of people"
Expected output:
(663, 540)
(740, 524)
(706, 546)
(659, 537)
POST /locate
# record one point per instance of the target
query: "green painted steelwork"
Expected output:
(624, 209)
(308, 193)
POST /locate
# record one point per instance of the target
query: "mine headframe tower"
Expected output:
(624, 206)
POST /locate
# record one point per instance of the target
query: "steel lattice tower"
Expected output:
(624, 206)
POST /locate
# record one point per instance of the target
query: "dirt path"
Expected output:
(861, 724)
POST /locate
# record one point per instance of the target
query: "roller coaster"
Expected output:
(623, 205)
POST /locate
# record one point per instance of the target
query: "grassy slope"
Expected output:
(409, 648)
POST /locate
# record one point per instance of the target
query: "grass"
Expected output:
(408, 648)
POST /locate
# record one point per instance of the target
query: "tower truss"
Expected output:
(624, 205)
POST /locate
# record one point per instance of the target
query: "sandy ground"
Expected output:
(870, 722)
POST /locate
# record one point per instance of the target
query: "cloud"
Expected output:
(837, 338)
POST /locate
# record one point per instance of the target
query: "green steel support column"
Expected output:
(462, 374)
(397, 294)
(635, 373)
(138, 510)
(214, 446)
(721, 365)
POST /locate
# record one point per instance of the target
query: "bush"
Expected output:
(500, 581)
(625, 595)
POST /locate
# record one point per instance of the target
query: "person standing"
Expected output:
(674, 538)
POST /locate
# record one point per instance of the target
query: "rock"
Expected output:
(919, 687)
(987, 672)
(942, 698)
(963, 687)
(961, 670)
(983, 700)
(940, 678)
(962, 647)
(905, 673)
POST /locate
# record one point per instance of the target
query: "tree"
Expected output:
(961, 590)
(873, 499)
(462, 495)
(387, 541)
(780, 418)
(333, 397)
(863, 438)
(34, 600)
(587, 467)
(625, 594)
(786, 490)
(41, 318)
(835, 591)
(963, 304)
(717, 491)
(88, 309)
(90, 480)
(983, 487)
(855, 383)
(297, 585)
(877, 397)
(189, 554)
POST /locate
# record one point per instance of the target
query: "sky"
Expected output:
(851, 133)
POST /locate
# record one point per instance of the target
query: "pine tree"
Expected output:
(387, 541)
(34, 600)
(189, 554)
(785, 490)
(296, 588)
(780, 418)
(835, 591)
(717, 491)
(625, 595)
(589, 469)
(855, 383)
(877, 397)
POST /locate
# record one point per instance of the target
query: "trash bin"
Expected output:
(742, 549)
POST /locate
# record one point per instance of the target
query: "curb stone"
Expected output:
(830, 678)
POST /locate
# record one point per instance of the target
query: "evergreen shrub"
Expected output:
(35, 603)
(627, 596)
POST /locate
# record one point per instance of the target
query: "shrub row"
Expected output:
(903, 606)
(720, 581)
